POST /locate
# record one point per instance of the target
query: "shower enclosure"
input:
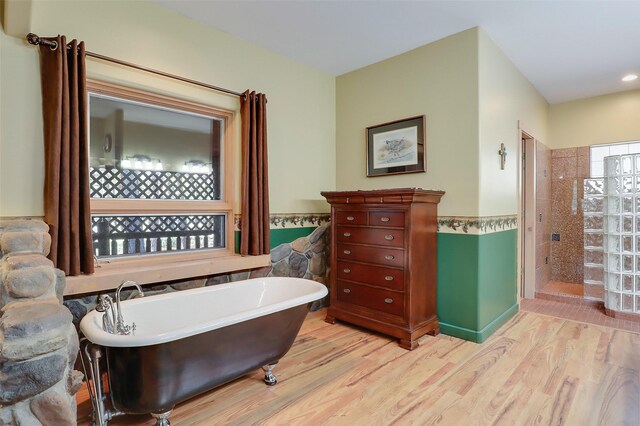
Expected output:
(559, 223)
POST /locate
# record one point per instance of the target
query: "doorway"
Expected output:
(527, 216)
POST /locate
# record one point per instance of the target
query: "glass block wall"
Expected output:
(593, 209)
(621, 233)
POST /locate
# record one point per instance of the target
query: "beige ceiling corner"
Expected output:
(16, 17)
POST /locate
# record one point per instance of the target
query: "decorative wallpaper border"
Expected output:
(476, 225)
(446, 224)
(291, 220)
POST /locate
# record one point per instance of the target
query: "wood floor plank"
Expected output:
(389, 389)
(490, 392)
(534, 413)
(535, 370)
(621, 350)
(429, 411)
(582, 357)
(467, 374)
(545, 359)
(619, 394)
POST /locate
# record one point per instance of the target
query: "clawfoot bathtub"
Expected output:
(191, 341)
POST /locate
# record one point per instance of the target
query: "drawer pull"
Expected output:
(388, 237)
(347, 270)
(347, 234)
(350, 217)
(388, 278)
(384, 219)
(388, 300)
(389, 257)
(346, 290)
(347, 252)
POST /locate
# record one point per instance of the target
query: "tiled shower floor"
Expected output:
(562, 288)
(560, 291)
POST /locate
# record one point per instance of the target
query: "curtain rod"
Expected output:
(53, 45)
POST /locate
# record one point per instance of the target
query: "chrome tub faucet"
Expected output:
(112, 319)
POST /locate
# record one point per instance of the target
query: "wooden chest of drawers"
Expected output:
(383, 259)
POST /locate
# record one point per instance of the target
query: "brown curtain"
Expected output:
(66, 186)
(254, 222)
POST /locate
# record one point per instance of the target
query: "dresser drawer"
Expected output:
(383, 237)
(351, 217)
(380, 300)
(381, 255)
(386, 218)
(371, 274)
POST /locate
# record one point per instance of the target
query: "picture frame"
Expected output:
(396, 147)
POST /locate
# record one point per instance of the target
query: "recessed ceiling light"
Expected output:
(629, 77)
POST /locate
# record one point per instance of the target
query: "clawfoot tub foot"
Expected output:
(162, 419)
(269, 378)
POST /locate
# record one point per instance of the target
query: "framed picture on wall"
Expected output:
(396, 147)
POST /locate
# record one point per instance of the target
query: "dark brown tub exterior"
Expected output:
(152, 379)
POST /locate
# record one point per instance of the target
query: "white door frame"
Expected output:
(526, 222)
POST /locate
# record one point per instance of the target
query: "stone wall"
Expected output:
(38, 342)
(306, 257)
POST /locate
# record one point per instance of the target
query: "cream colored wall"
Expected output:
(20, 12)
(438, 80)
(506, 98)
(301, 108)
(598, 120)
(21, 148)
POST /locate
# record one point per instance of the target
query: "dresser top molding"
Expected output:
(383, 196)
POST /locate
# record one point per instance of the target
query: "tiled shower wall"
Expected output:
(543, 212)
(569, 167)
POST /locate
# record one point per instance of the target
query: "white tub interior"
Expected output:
(177, 315)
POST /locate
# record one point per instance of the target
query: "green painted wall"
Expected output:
(497, 281)
(477, 285)
(281, 235)
(457, 282)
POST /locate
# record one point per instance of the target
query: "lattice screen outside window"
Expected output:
(109, 182)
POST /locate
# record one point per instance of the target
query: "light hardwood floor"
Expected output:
(535, 370)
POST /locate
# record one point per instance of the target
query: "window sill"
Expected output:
(110, 276)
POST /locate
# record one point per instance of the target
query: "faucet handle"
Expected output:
(105, 305)
(123, 328)
(104, 302)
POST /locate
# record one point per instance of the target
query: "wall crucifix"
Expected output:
(503, 155)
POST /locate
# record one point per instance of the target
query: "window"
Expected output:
(599, 152)
(160, 174)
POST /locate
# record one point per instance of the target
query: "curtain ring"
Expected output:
(54, 46)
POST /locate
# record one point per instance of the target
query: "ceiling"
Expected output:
(567, 49)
